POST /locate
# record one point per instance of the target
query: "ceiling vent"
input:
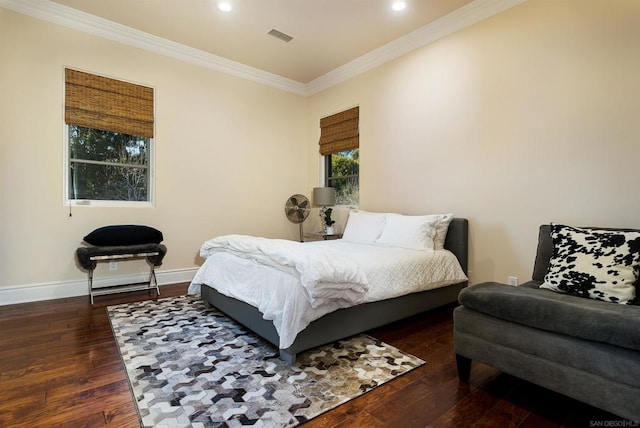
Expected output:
(280, 35)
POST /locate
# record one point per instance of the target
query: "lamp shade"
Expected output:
(324, 196)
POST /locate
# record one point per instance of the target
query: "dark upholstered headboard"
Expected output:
(457, 241)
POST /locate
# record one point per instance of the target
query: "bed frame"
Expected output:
(347, 322)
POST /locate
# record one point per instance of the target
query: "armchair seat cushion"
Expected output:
(547, 310)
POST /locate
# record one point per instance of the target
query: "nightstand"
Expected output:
(316, 236)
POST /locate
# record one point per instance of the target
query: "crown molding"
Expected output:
(91, 24)
(457, 20)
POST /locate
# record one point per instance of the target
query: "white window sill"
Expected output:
(109, 204)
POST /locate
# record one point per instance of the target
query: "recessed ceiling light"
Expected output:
(398, 5)
(224, 6)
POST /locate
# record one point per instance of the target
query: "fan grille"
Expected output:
(297, 208)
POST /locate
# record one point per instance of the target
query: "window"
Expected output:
(339, 144)
(342, 172)
(109, 139)
(107, 166)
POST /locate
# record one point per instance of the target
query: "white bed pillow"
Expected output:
(409, 231)
(441, 229)
(363, 227)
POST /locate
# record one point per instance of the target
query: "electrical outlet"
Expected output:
(113, 265)
(513, 280)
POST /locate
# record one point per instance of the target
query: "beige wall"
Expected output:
(528, 117)
(228, 153)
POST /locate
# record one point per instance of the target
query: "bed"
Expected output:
(323, 320)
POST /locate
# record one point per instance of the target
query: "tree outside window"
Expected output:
(106, 165)
(342, 173)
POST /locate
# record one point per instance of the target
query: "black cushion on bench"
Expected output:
(544, 309)
(124, 234)
(84, 254)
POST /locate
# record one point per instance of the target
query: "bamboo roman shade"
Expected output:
(107, 104)
(339, 132)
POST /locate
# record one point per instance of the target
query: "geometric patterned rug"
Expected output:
(191, 366)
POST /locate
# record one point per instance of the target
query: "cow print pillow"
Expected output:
(592, 263)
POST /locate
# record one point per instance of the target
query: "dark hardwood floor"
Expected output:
(60, 367)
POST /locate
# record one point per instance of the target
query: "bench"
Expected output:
(90, 256)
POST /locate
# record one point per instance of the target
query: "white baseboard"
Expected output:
(62, 289)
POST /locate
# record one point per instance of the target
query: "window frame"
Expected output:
(326, 161)
(66, 165)
(339, 132)
(66, 172)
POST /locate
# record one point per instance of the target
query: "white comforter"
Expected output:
(268, 274)
(323, 272)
